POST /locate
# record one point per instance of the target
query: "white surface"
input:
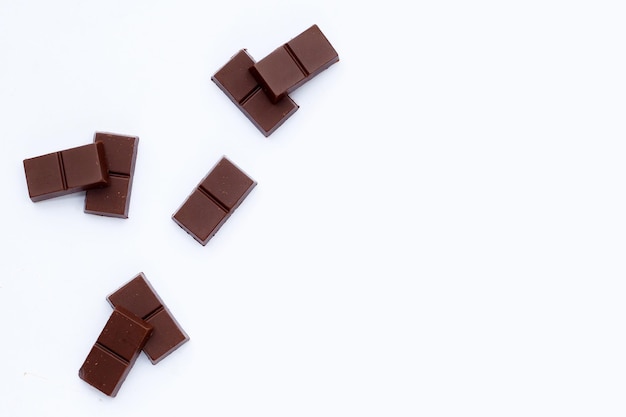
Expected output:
(438, 231)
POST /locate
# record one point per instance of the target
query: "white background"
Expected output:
(438, 231)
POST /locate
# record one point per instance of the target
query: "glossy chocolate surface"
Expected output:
(115, 352)
(121, 154)
(140, 298)
(294, 63)
(213, 201)
(66, 172)
(236, 81)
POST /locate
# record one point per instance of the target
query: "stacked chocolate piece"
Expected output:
(260, 89)
(105, 168)
(140, 321)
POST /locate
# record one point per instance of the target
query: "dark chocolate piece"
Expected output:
(294, 63)
(236, 81)
(66, 172)
(138, 297)
(213, 201)
(115, 352)
(121, 154)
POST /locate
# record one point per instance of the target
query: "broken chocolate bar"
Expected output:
(213, 201)
(65, 172)
(115, 352)
(121, 154)
(294, 63)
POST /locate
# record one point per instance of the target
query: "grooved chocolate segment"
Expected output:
(213, 201)
(277, 73)
(104, 370)
(121, 154)
(140, 298)
(236, 81)
(115, 352)
(227, 184)
(200, 216)
(294, 63)
(66, 172)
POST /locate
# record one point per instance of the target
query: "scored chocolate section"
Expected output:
(294, 63)
(66, 172)
(213, 201)
(113, 355)
(140, 298)
(236, 81)
(121, 155)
